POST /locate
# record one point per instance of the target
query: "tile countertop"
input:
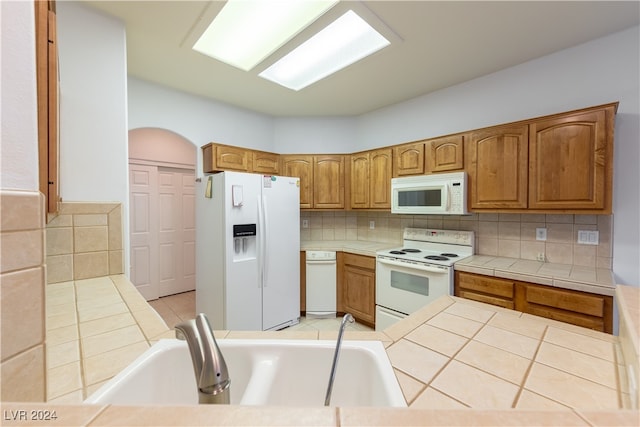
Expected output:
(359, 247)
(587, 279)
(458, 362)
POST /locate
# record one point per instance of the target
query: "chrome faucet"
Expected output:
(212, 376)
(347, 318)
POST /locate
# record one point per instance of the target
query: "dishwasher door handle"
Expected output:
(321, 262)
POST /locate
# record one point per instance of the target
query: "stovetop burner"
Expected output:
(449, 255)
(436, 257)
(397, 252)
(410, 250)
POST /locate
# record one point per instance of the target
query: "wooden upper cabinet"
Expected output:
(359, 181)
(444, 154)
(408, 159)
(498, 168)
(570, 161)
(301, 167)
(267, 163)
(232, 158)
(370, 180)
(380, 169)
(220, 157)
(328, 182)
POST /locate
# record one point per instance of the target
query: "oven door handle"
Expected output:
(415, 266)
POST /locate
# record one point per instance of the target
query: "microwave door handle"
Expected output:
(448, 198)
(414, 266)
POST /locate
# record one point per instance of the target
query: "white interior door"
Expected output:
(176, 230)
(162, 230)
(143, 225)
(188, 234)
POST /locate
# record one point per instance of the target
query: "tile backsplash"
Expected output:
(85, 241)
(508, 235)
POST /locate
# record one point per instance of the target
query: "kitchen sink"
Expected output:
(262, 372)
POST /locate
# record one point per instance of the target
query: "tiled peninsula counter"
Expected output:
(458, 362)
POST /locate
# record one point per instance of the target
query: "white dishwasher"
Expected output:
(321, 284)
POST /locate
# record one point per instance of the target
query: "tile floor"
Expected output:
(180, 307)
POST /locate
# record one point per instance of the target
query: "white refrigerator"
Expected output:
(248, 251)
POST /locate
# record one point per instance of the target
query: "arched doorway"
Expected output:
(162, 212)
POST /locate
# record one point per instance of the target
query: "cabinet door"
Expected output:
(408, 159)
(498, 169)
(359, 287)
(328, 182)
(268, 163)
(359, 180)
(301, 167)
(570, 161)
(380, 169)
(444, 154)
(231, 158)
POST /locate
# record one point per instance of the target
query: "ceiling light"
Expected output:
(245, 32)
(343, 42)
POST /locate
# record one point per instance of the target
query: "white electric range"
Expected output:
(418, 272)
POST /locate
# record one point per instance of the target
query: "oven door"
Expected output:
(386, 317)
(407, 287)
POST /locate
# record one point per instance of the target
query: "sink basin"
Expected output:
(262, 372)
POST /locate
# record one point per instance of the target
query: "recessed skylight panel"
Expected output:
(245, 32)
(342, 43)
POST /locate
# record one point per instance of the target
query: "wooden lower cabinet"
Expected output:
(357, 293)
(584, 309)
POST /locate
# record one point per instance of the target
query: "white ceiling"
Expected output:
(435, 44)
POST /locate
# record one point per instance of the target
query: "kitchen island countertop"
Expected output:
(458, 362)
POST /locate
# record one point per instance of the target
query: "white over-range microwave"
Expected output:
(438, 194)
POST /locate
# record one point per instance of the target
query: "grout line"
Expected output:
(528, 371)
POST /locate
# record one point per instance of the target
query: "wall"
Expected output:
(161, 146)
(320, 134)
(22, 270)
(197, 119)
(93, 108)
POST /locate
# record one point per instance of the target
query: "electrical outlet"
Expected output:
(541, 234)
(305, 223)
(588, 237)
(541, 257)
(372, 225)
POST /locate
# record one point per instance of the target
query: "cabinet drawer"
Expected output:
(498, 287)
(488, 299)
(596, 323)
(361, 261)
(592, 305)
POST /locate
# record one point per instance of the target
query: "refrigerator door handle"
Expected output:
(265, 235)
(260, 243)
